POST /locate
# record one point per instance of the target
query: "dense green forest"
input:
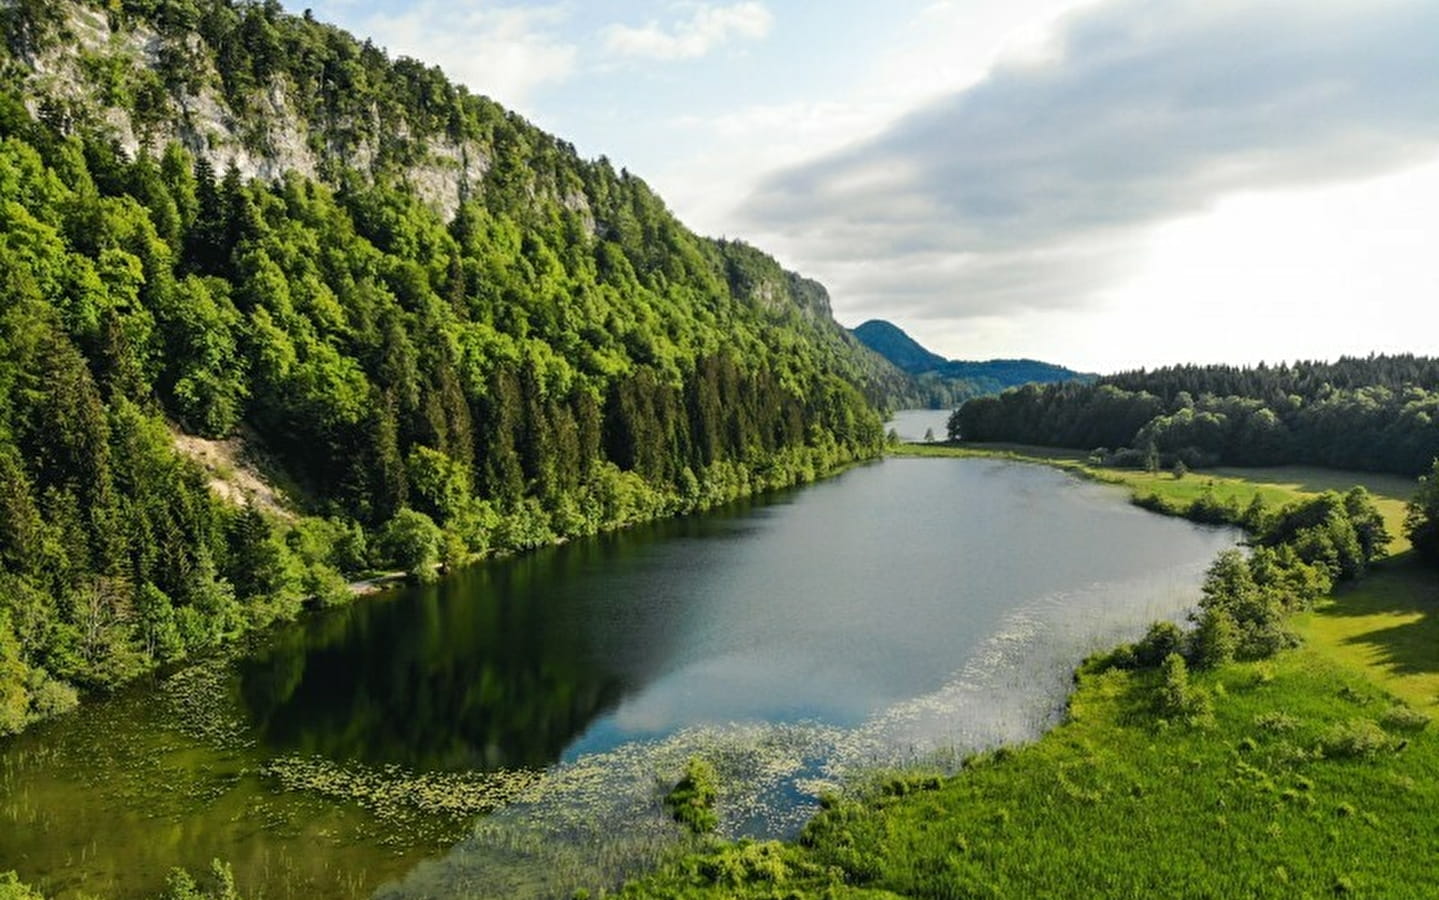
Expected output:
(944, 383)
(547, 353)
(1372, 414)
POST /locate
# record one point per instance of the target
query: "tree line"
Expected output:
(1375, 413)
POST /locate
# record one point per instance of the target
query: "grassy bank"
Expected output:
(1315, 774)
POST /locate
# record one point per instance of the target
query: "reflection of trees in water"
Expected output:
(501, 666)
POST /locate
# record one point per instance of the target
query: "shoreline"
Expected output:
(882, 841)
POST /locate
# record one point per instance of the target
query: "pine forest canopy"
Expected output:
(449, 334)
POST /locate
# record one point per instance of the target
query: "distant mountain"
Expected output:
(956, 379)
(890, 341)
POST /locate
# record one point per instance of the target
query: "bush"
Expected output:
(1209, 510)
(1262, 638)
(1421, 519)
(1126, 458)
(179, 885)
(50, 696)
(1404, 718)
(1157, 503)
(1162, 640)
(411, 541)
(1276, 722)
(1177, 697)
(1215, 640)
(1121, 657)
(12, 889)
(691, 801)
(747, 863)
(1355, 739)
(327, 585)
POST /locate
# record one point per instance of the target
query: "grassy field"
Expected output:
(1316, 776)
(1386, 626)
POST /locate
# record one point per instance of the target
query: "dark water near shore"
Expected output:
(904, 609)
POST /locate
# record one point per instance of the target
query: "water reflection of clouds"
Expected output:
(739, 687)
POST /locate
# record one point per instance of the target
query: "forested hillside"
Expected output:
(940, 382)
(449, 334)
(1373, 414)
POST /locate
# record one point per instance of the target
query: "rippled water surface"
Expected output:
(906, 610)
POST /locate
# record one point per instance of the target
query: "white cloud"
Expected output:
(707, 28)
(1033, 189)
(943, 48)
(504, 52)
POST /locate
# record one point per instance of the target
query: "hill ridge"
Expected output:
(952, 381)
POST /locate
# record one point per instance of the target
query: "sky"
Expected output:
(1105, 184)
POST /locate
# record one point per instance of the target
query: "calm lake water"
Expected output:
(905, 611)
(911, 424)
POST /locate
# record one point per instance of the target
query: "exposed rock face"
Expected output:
(266, 141)
(149, 85)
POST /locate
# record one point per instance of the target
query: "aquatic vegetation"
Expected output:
(199, 701)
(594, 821)
(412, 806)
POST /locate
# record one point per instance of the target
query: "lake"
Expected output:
(913, 424)
(905, 611)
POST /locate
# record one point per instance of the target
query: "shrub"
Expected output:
(1404, 718)
(179, 885)
(1215, 640)
(1355, 739)
(1099, 662)
(50, 696)
(12, 889)
(411, 541)
(1276, 722)
(746, 863)
(1162, 640)
(1177, 697)
(1157, 503)
(1209, 509)
(1421, 520)
(691, 801)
